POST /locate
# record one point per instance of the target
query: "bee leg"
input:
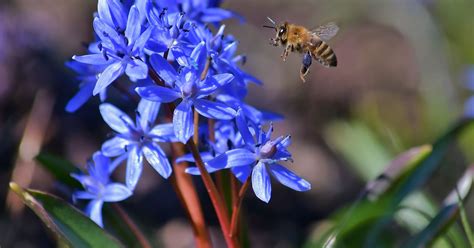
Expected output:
(273, 42)
(285, 52)
(307, 60)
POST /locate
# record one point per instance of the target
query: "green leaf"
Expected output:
(354, 223)
(60, 168)
(421, 173)
(68, 224)
(464, 219)
(397, 169)
(448, 213)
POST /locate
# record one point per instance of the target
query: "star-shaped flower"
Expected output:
(122, 52)
(138, 140)
(259, 158)
(98, 188)
(192, 91)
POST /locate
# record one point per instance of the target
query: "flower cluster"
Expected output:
(166, 53)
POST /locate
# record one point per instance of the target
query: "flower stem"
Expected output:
(133, 227)
(216, 198)
(196, 128)
(214, 195)
(236, 208)
(206, 69)
(183, 185)
(187, 193)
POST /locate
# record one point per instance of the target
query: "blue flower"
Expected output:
(87, 76)
(222, 51)
(121, 51)
(188, 87)
(226, 138)
(248, 112)
(201, 11)
(168, 34)
(258, 158)
(138, 140)
(469, 104)
(98, 188)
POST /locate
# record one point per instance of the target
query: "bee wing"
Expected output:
(326, 32)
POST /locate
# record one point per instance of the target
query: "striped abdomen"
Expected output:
(322, 52)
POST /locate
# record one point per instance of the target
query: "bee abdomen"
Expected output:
(324, 54)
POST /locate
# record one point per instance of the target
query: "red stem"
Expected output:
(133, 227)
(187, 193)
(183, 185)
(214, 195)
(236, 208)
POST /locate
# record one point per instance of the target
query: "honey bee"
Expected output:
(311, 43)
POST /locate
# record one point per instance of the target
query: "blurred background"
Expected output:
(400, 82)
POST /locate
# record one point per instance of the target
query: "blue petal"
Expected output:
(157, 93)
(157, 159)
(285, 142)
(469, 77)
(163, 133)
(215, 15)
(223, 78)
(108, 36)
(115, 146)
(85, 92)
(142, 41)
(179, 55)
(109, 75)
(92, 59)
(242, 172)
(242, 125)
(214, 110)
(229, 50)
(199, 56)
(113, 13)
(193, 171)
(183, 121)
(211, 84)
(252, 113)
(205, 156)
(94, 211)
(268, 135)
(148, 110)
(104, 13)
(115, 118)
(163, 68)
(136, 69)
(261, 182)
(469, 108)
(233, 158)
(271, 116)
(118, 13)
(288, 178)
(115, 192)
(103, 95)
(133, 30)
(83, 195)
(134, 167)
(101, 167)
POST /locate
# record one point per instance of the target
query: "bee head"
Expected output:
(282, 32)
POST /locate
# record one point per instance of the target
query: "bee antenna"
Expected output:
(272, 27)
(272, 21)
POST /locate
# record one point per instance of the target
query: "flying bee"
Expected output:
(311, 43)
